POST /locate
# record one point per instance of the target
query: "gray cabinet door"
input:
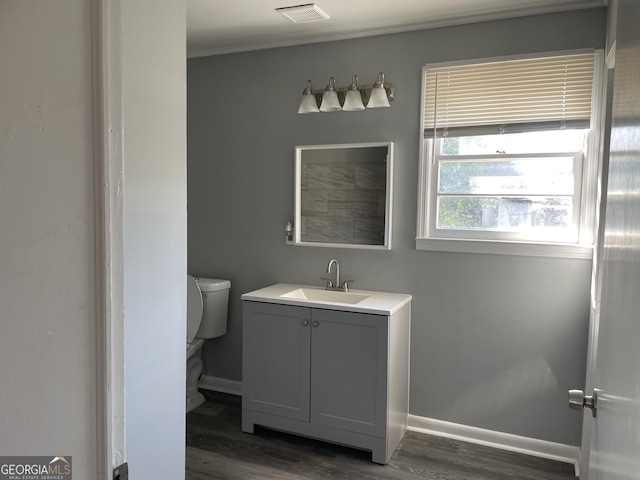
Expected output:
(349, 371)
(276, 354)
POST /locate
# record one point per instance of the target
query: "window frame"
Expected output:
(430, 238)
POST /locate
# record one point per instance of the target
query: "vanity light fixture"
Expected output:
(308, 103)
(330, 102)
(352, 98)
(378, 98)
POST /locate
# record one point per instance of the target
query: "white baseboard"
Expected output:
(217, 384)
(504, 441)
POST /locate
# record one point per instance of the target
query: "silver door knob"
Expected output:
(578, 400)
(315, 323)
(305, 323)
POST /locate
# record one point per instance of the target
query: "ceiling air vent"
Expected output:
(303, 13)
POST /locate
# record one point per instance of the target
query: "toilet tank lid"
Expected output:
(213, 284)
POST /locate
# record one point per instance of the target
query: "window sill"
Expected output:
(526, 249)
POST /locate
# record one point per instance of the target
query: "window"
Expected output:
(509, 160)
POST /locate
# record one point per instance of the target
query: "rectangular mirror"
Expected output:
(343, 195)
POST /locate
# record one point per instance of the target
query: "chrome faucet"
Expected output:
(331, 285)
(334, 261)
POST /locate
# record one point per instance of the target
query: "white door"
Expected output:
(614, 450)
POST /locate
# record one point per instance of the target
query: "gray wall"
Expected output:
(496, 340)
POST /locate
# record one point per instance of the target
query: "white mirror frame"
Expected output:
(297, 237)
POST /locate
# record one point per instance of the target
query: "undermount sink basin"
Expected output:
(325, 295)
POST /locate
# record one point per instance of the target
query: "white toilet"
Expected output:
(207, 306)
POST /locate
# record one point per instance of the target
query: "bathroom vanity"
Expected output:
(328, 365)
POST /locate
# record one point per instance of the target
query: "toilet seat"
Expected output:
(194, 308)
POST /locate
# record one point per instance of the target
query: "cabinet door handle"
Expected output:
(315, 323)
(305, 323)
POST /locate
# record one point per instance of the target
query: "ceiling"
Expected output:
(225, 26)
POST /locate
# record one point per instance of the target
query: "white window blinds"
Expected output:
(509, 96)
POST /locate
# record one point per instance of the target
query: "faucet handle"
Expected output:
(329, 282)
(345, 285)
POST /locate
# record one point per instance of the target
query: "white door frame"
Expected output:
(109, 181)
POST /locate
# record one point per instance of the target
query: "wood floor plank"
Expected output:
(217, 449)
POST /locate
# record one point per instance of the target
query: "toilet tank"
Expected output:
(215, 306)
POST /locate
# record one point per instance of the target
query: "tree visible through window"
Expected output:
(503, 190)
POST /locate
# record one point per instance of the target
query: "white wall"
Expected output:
(47, 272)
(154, 118)
(48, 359)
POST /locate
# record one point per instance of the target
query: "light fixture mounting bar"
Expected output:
(391, 89)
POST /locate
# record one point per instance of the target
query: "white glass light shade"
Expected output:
(308, 103)
(353, 99)
(378, 97)
(330, 102)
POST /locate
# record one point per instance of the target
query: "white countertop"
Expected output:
(380, 303)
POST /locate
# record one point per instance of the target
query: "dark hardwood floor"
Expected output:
(218, 449)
